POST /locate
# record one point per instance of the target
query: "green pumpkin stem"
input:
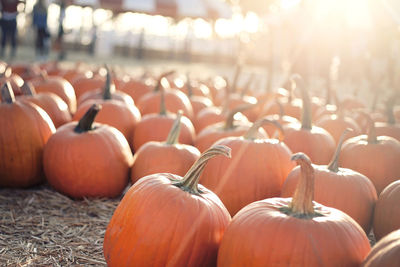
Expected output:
(190, 181)
(302, 200)
(230, 117)
(175, 131)
(85, 124)
(334, 164)
(27, 89)
(7, 94)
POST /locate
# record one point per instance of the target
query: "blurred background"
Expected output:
(321, 40)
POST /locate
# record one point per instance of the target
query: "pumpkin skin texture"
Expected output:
(155, 127)
(24, 130)
(114, 113)
(156, 157)
(317, 142)
(58, 86)
(335, 125)
(169, 156)
(135, 238)
(387, 211)
(309, 234)
(333, 189)
(238, 181)
(91, 163)
(385, 253)
(378, 161)
(54, 106)
(314, 141)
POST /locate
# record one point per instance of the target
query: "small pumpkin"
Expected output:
(387, 210)
(334, 186)
(24, 130)
(230, 127)
(375, 157)
(169, 156)
(385, 253)
(86, 159)
(54, 106)
(168, 220)
(314, 141)
(309, 234)
(257, 170)
(155, 127)
(58, 86)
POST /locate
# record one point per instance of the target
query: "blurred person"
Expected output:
(8, 23)
(59, 43)
(42, 32)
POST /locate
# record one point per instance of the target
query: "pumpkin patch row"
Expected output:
(213, 210)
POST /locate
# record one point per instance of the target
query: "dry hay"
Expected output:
(40, 227)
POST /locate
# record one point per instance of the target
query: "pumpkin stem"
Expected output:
(175, 131)
(108, 86)
(227, 98)
(160, 78)
(85, 124)
(281, 109)
(334, 164)
(163, 107)
(306, 115)
(27, 89)
(251, 134)
(247, 86)
(7, 72)
(190, 181)
(230, 117)
(389, 109)
(302, 200)
(238, 70)
(372, 139)
(7, 94)
(189, 85)
(43, 75)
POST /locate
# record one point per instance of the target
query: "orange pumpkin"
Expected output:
(375, 157)
(334, 186)
(167, 220)
(387, 211)
(54, 106)
(256, 171)
(169, 156)
(24, 130)
(87, 83)
(385, 253)
(309, 234)
(314, 141)
(389, 128)
(58, 86)
(155, 127)
(211, 115)
(336, 124)
(115, 113)
(217, 131)
(107, 92)
(86, 159)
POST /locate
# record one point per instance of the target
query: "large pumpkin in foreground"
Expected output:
(167, 220)
(293, 232)
(86, 159)
(24, 130)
